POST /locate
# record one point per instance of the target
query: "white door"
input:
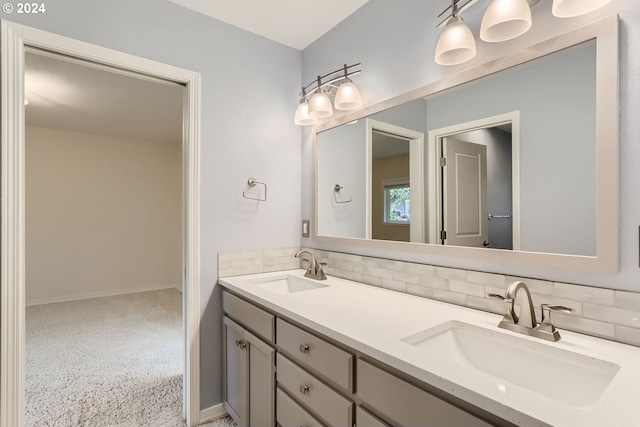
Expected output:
(464, 193)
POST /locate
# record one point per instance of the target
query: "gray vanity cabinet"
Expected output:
(401, 403)
(249, 364)
(319, 382)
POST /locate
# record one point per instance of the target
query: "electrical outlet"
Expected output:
(305, 228)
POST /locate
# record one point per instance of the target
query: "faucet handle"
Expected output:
(546, 325)
(546, 308)
(500, 297)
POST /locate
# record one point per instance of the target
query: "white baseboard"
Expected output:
(213, 412)
(98, 294)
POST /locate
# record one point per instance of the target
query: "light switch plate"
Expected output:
(305, 228)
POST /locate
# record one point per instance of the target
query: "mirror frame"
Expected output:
(606, 260)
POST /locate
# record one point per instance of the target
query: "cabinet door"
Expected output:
(403, 404)
(261, 359)
(234, 372)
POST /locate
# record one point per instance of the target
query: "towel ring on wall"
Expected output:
(252, 182)
(336, 190)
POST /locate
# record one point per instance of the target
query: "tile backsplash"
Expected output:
(258, 261)
(604, 313)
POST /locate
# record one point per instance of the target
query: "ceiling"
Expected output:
(295, 23)
(69, 94)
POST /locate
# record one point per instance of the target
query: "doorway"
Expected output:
(395, 182)
(474, 190)
(15, 40)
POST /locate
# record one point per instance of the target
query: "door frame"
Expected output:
(435, 180)
(416, 176)
(14, 39)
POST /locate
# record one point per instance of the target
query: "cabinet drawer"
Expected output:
(336, 410)
(290, 414)
(250, 316)
(330, 361)
(365, 419)
(404, 404)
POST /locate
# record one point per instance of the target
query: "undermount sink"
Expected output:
(569, 377)
(288, 284)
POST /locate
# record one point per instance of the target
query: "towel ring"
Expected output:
(252, 182)
(336, 190)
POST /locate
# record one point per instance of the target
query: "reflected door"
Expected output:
(464, 193)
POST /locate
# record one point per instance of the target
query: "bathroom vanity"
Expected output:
(340, 353)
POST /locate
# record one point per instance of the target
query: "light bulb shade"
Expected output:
(571, 8)
(320, 105)
(505, 20)
(302, 115)
(456, 43)
(348, 96)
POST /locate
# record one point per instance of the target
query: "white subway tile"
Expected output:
(619, 316)
(272, 267)
(290, 251)
(229, 272)
(228, 256)
(394, 285)
(406, 277)
(628, 300)
(420, 291)
(272, 253)
(449, 273)
(254, 269)
(292, 265)
(580, 324)
(488, 279)
(486, 304)
(223, 264)
(628, 335)
(342, 265)
(345, 257)
(466, 288)
(350, 275)
(372, 280)
(584, 293)
(419, 269)
(434, 282)
(542, 287)
(240, 263)
(452, 297)
(552, 299)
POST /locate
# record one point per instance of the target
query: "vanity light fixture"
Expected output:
(503, 20)
(571, 8)
(336, 85)
(456, 43)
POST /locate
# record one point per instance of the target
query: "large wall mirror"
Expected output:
(515, 160)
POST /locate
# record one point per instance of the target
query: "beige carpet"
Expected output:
(107, 362)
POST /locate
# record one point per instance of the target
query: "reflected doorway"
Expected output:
(474, 198)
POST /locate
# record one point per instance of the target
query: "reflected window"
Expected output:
(397, 203)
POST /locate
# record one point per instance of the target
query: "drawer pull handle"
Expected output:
(304, 389)
(304, 348)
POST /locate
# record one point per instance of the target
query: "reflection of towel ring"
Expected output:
(252, 183)
(336, 190)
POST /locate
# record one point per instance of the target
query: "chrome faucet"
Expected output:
(526, 322)
(315, 269)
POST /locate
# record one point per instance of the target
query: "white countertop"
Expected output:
(373, 320)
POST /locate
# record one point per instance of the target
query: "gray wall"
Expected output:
(404, 61)
(249, 95)
(556, 99)
(341, 160)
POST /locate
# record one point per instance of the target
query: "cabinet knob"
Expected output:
(304, 348)
(241, 344)
(304, 389)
